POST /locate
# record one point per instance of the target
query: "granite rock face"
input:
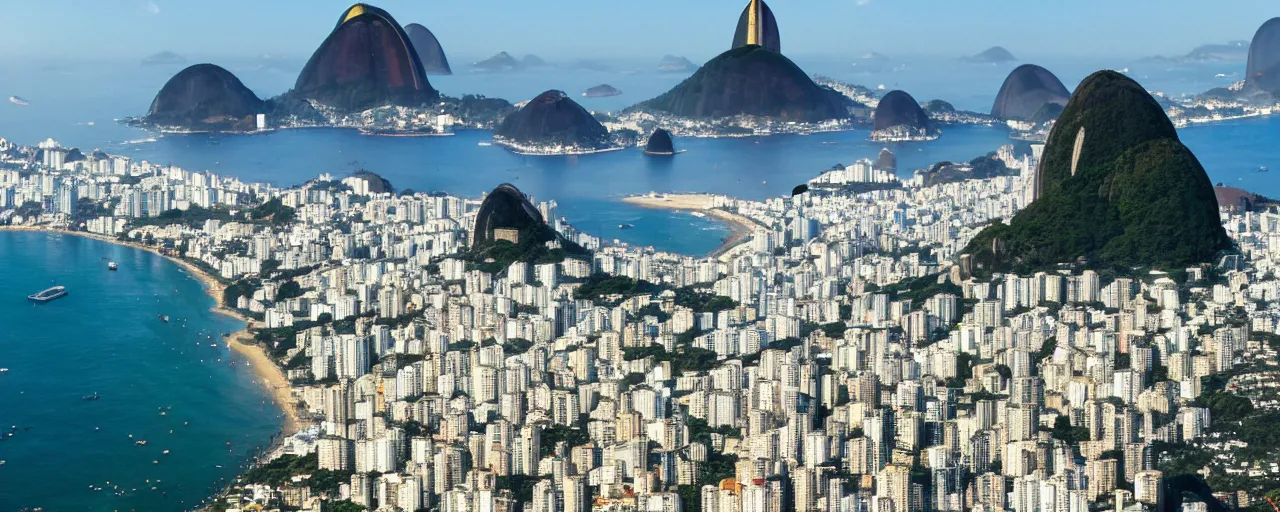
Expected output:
(1115, 188)
(430, 53)
(755, 81)
(205, 97)
(1026, 90)
(553, 118)
(763, 33)
(897, 108)
(660, 143)
(367, 61)
(505, 208)
(1263, 71)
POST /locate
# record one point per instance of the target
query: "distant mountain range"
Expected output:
(1227, 52)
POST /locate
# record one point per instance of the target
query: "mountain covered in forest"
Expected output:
(1115, 188)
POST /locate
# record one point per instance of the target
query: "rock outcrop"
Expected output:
(430, 53)
(367, 61)
(757, 26)
(1263, 71)
(660, 143)
(1026, 91)
(505, 214)
(503, 61)
(751, 80)
(897, 108)
(205, 97)
(553, 118)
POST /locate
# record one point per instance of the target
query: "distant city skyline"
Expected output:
(132, 29)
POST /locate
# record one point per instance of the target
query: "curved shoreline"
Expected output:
(267, 373)
(740, 226)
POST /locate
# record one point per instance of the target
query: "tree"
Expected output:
(288, 290)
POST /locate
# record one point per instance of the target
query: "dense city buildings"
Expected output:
(838, 358)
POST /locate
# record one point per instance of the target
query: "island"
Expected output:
(501, 62)
(553, 124)
(601, 91)
(205, 97)
(660, 144)
(993, 55)
(715, 102)
(674, 64)
(900, 118)
(165, 58)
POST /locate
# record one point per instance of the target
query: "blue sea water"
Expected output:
(105, 337)
(165, 383)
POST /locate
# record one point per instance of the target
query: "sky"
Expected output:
(699, 29)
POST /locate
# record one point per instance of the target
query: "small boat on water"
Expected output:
(4, 370)
(163, 318)
(48, 294)
(91, 398)
(18, 101)
(111, 265)
(626, 226)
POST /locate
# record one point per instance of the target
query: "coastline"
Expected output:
(266, 372)
(740, 226)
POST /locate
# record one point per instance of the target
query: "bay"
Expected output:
(171, 384)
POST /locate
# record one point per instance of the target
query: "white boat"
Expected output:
(4, 370)
(484, 144)
(18, 101)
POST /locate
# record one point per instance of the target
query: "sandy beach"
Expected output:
(268, 374)
(740, 226)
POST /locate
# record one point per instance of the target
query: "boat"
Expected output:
(4, 370)
(111, 265)
(626, 226)
(48, 294)
(140, 443)
(1263, 169)
(484, 144)
(18, 101)
(163, 318)
(91, 398)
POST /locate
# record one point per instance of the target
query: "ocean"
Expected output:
(171, 384)
(105, 337)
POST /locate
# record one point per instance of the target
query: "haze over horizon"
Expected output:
(133, 29)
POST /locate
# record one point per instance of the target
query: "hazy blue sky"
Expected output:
(611, 28)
